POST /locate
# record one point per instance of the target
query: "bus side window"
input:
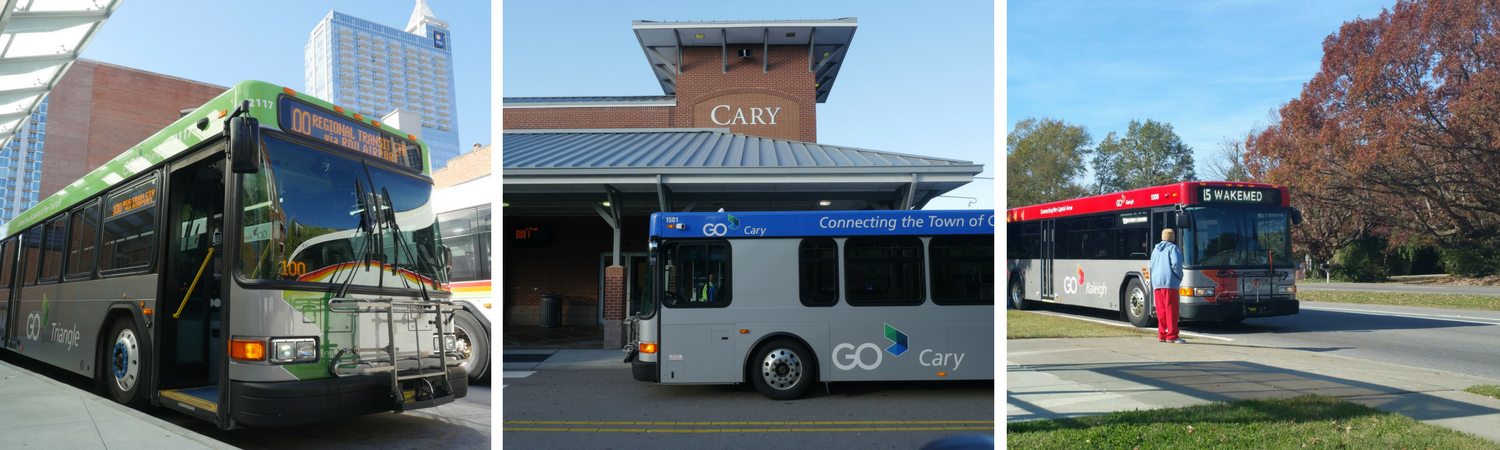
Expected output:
(52, 249)
(883, 270)
(83, 241)
(963, 269)
(129, 226)
(8, 265)
(699, 274)
(32, 256)
(818, 271)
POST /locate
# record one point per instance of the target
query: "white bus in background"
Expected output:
(783, 300)
(464, 222)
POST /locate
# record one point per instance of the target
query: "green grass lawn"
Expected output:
(1309, 421)
(1487, 390)
(1028, 325)
(1461, 301)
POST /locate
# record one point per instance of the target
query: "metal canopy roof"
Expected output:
(563, 172)
(827, 42)
(39, 40)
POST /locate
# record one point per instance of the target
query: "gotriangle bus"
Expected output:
(1095, 251)
(783, 300)
(322, 293)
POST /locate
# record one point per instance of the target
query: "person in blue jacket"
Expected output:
(1166, 277)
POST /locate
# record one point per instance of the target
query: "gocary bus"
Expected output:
(267, 260)
(1095, 251)
(783, 300)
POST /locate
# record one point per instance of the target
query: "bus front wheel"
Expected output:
(1138, 305)
(125, 362)
(473, 344)
(782, 369)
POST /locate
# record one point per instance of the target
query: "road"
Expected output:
(1400, 288)
(463, 424)
(718, 414)
(1460, 341)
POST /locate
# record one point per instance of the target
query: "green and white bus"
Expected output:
(329, 300)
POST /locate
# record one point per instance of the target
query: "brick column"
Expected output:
(614, 305)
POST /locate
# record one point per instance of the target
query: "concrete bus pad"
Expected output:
(1055, 378)
(42, 413)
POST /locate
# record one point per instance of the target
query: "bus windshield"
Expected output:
(302, 221)
(1238, 237)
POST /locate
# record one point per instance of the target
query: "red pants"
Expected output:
(1166, 314)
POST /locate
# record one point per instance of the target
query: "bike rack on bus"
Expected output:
(387, 359)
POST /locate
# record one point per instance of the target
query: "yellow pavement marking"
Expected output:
(744, 430)
(862, 422)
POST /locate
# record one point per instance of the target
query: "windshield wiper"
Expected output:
(365, 225)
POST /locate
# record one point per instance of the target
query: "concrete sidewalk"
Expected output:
(1053, 378)
(38, 412)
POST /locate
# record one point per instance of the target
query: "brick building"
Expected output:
(466, 167)
(99, 110)
(735, 129)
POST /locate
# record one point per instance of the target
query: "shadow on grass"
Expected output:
(1305, 409)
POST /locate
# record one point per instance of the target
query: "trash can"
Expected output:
(551, 310)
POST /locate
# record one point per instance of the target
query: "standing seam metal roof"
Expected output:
(687, 148)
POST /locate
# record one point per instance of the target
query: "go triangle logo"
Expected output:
(898, 338)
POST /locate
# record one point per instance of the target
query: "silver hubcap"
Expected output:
(1137, 303)
(1015, 295)
(461, 344)
(781, 369)
(126, 360)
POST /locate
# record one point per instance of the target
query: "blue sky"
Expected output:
(224, 43)
(917, 79)
(1212, 69)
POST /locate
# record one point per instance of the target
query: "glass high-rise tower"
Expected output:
(21, 166)
(375, 69)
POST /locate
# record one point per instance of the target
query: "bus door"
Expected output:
(1049, 253)
(191, 338)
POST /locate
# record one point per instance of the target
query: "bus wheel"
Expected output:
(125, 363)
(1018, 296)
(1138, 305)
(781, 369)
(473, 344)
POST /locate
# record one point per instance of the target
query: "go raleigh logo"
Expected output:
(846, 356)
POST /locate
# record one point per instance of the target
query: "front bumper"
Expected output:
(1238, 309)
(644, 371)
(288, 403)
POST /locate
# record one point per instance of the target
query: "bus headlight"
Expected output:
(450, 342)
(1290, 289)
(1196, 292)
(293, 350)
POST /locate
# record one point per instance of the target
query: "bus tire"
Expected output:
(782, 369)
(471, 336)
(1138, 304)
(1018, 295)
(125, 362)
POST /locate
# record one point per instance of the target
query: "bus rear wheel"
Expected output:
(1018, 296)
(125, 359)
(782, 369)
(473, 344)
(1138, 305)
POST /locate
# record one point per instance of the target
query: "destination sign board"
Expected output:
(346, 133)
(1241, 195)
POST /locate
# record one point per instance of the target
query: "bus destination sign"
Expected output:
(1243, 195)
(343, 132)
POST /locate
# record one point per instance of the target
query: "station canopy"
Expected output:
(39, 40)
(827, 42)
(643, 171)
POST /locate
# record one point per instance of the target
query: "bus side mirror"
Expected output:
(1182, 221)
(447, 255)
(244, 145)
(1296, 216)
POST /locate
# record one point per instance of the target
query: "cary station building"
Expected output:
(735, 128)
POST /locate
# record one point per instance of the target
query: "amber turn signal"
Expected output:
(648, 347)
(247, 350)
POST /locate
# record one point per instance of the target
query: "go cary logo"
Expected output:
(847, 356)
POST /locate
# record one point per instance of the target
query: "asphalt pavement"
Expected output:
(1054, 378)
(1399, 288)
(588, 399)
